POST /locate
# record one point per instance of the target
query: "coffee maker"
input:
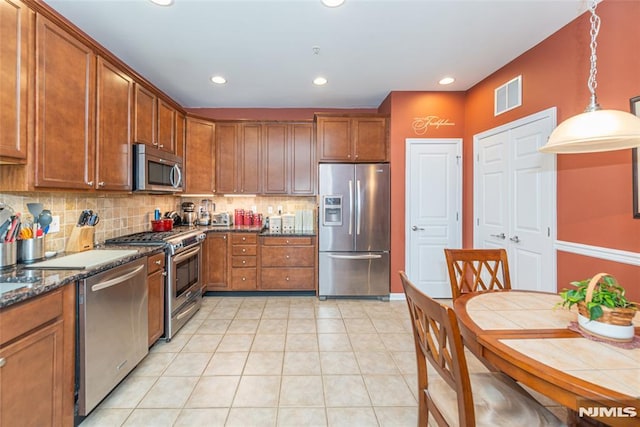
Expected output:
(189, 214)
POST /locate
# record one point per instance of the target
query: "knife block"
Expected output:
(81, 239)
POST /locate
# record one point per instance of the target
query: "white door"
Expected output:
(433, 211)
(515, 199)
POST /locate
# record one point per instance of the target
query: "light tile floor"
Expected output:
(276, 361)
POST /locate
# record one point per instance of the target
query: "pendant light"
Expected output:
(596, 129)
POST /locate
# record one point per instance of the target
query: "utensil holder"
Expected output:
(81, 239)
(8, 256)
(30, 250)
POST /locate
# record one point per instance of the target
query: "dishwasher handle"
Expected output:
(117, 280)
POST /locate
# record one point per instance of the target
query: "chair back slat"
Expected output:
(477, 270)
(439, 343)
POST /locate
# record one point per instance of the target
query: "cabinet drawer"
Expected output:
(244, 238)
(243, 278)
(244, 250)
(21, 318)
(243, 261)
(155, 263)
(287, 241)
(294, 256)
(287, 278)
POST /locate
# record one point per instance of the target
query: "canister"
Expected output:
(7, 255)
(30, 250)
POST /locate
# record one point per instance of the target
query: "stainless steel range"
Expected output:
(183, 282)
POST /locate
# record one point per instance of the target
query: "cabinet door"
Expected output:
(199, 160)
(65, 76)
(113, 128)
(370, 139)
(249, 164)
(215, 264)
(334, 139)
(180, 121)
(155, 285)
(275, 159)
(166, 127)
(31, 380)
(226, 157)
(145, 117)
(303, 167)
(16, 21)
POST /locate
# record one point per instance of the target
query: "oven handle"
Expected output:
(117, 280)
(184, 255)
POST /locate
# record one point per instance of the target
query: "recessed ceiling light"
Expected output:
(319, 81)
(162, 2)
(332, 3)
(447, 81)
(218, 80)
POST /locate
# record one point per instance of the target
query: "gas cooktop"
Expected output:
(153, 237)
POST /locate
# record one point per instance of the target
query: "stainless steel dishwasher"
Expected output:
(112, 330)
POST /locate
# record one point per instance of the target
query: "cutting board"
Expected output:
(83, 260)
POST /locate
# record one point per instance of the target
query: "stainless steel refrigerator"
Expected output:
(354, 229)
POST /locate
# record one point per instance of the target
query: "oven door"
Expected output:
(185, 276)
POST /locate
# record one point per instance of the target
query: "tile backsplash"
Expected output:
(122, 214)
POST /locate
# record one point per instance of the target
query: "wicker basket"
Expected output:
(613, 316)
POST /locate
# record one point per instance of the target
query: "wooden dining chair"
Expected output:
(454, 397)
(477, 270)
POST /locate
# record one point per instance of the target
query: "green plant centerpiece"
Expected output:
(603, 308)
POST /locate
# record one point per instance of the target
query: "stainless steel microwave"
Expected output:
(156, 171)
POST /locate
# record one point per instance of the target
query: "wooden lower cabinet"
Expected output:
(155, 284)
(37, 347)
(244, 252)
(288, 263)
(214, 262)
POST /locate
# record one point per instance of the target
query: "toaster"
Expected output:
(222, 219)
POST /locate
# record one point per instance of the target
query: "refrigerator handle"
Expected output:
(350, 207)
(358, 207)
(364, 256)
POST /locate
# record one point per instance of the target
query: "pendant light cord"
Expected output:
(592, 84)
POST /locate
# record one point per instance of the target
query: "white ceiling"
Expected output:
(265, 48)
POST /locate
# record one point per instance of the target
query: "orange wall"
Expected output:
(594, 190)
(404, 108)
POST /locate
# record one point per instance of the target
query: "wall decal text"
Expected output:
(421, 125)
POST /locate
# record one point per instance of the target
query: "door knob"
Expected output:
(416, 228)
(515, 239)
(499, 236)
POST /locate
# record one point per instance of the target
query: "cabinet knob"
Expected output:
(244, 238)
(158, 262)
(3, 362)
(244, 278)
(244, 262)
(287, 242)
(244, 250)
(161, 145)
(90, 183)
(287, 257)
(164, 273)
(224, 237)
(287, 279)
(101, 184)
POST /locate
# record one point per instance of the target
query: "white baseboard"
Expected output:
(616, 255)
(397, 297)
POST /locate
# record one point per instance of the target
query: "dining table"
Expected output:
(527, 335)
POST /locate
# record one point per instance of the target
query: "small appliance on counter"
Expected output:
(222, 219)
(204, 214)
(275, 224)
(189, 215)
(288, 222)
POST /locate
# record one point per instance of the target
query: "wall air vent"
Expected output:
(508, 96)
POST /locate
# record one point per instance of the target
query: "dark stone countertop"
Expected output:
(254, 229)
(33, 282)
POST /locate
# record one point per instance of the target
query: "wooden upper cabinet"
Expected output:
(352, 138)
(226, 156)
(199, 157)
(114, 110)
(145, 117)
(180, 133)
(238, 157)
(65, 95)
(166, 139)
(288, 155)
(16, 50)
(303, 166)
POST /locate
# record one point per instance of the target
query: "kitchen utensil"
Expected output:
(45, 218)
(84, 217)
(93, 220)
(35, 209)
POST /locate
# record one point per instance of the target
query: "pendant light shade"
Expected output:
(595, 131)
